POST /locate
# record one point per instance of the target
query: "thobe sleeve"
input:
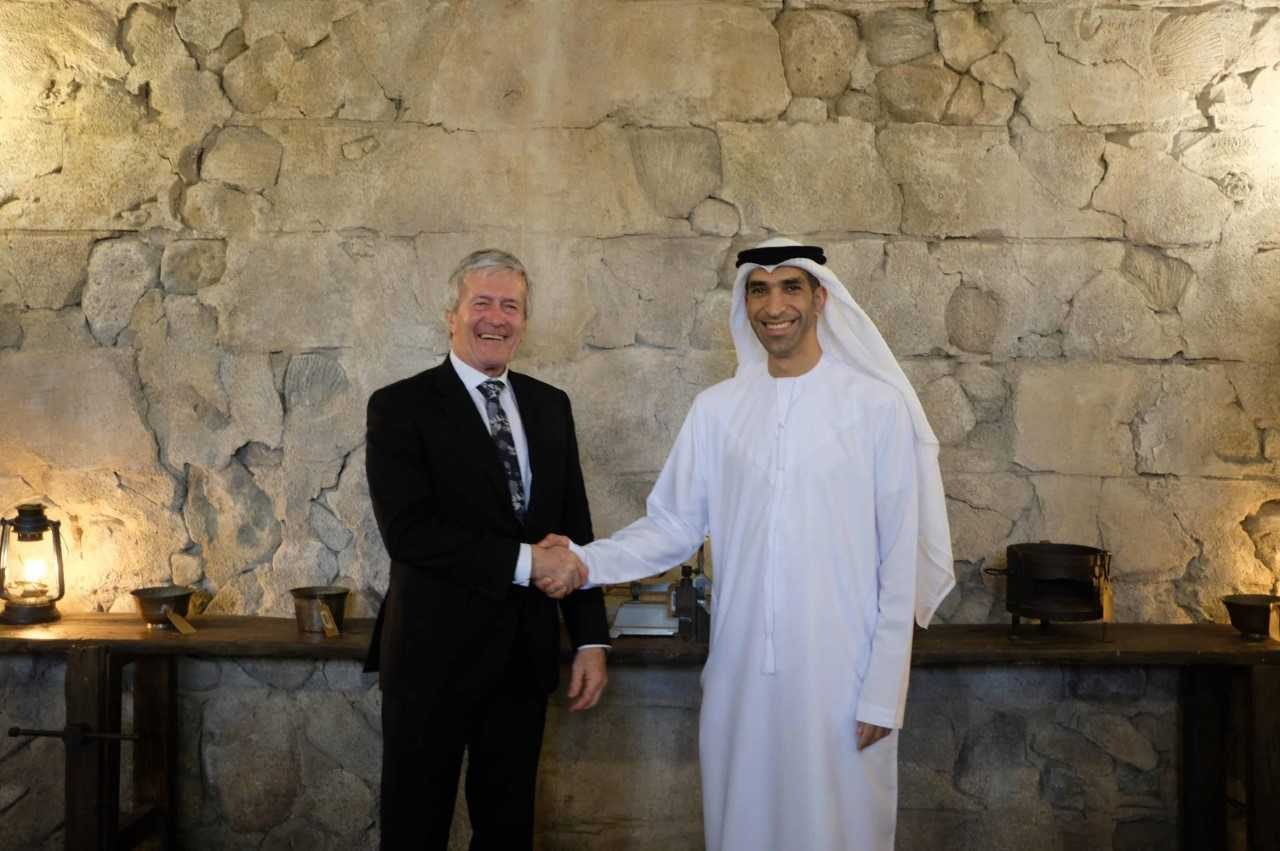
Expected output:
(883, 698)
(675, 521)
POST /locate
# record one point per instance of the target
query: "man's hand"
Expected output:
(556, 571)
(869, 734)
(587, 678)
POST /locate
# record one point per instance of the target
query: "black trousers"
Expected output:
(498, 720)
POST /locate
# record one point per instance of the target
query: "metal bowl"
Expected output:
(1257, 616)
(307, 602)
(154, 604)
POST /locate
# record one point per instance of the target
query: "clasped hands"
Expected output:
(556, 572)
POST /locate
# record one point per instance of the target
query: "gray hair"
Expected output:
(488, 258)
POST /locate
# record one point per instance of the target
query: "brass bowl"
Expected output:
(154, 604)
(1257, 616)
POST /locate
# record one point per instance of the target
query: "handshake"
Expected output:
(557, 572)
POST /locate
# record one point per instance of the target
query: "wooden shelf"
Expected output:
(977, 644)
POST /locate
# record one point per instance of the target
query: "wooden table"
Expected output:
(1229, 699)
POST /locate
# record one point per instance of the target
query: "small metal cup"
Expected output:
(310, 602)
(154, 604)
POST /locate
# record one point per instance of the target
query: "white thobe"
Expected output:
(807, 488)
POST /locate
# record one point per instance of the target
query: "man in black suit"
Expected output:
(469, 465)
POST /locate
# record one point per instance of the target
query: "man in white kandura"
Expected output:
(816, 474)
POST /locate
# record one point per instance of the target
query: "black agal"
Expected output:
(774, 255)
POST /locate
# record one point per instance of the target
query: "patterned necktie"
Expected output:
(500, 430)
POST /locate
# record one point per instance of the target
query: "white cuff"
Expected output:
(582, 554)
(524, 566)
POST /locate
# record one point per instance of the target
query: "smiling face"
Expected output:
(783, 306)
(489, 321)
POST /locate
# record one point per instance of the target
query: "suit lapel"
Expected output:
(471, 431)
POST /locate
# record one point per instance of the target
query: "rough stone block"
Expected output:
(894, 36)
(817, 50)
(79, 410)
(669, 64)
(1232, 311)
(105, 183)
(51, 52)
(1116, 735)
(715, 218)
(1111, 317)
(644, 290)
(31, 149)
(962, 39)
(970, 182)
(188, 265)
(677, 168)
(1075, 418)
(300, 291)
(919, 91)
(205, 23)
(120, 271)
(541, 181)
(806, 111)
(244, 157)
(43, 271)
(1164, 548)
(1161, 202)
(301, 23)
(232, 521)
(1197, 426)
(250, 755)
(772, 174)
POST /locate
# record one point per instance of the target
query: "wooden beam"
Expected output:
(1204, 695)
(155, 754)
(92, 765)
(1264, 750)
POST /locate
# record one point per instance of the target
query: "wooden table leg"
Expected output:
(155, 719)
(1264, 756)
(92, 765)
(1204, 694)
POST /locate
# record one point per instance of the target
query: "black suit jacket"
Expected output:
(441, 502)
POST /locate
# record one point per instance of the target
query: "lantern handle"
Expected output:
(4, 550)
(57, 548)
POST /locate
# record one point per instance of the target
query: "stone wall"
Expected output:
(223, 223)
(279, 755)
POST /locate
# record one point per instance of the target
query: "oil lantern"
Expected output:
(25, 565)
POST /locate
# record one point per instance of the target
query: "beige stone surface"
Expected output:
(962, 39)
(1165, 548)
(243, 157)
(772, 174)
(1099, 86)
(918, 91)
(191, 264)
(104, 183)
(817, 48)
(43, 271)
(1112, 317)
(1161, 202)
(677, 168)
(230, 519)
(31, 149)
(74, 411)
(1198, 426)
(806, 111)
(644, 290)
(546, 180)
(893, 36)
(1091, 407)
(900, 289)
(948, 409)
(205, 23)
(971, 182)
(120, 272)
(51, 50)
(1231, 313)
(669, 64)
(715, 218)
